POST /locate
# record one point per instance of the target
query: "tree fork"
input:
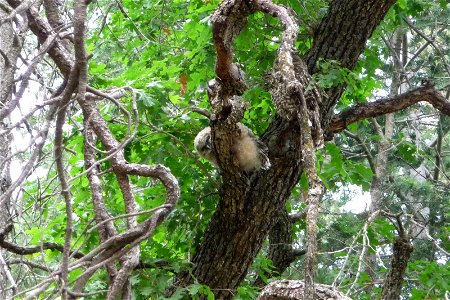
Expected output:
(248, 209)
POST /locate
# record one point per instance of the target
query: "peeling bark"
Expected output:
(294, 290)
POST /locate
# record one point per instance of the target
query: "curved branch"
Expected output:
(227, 22)
(112, 249)
(381, 107)
(30, 264)
(26, 250)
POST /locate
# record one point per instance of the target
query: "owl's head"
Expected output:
(203, 144)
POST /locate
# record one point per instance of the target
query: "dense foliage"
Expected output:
(164, 52)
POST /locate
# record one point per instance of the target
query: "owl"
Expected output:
(249, 151)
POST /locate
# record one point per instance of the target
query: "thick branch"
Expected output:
(342, 36)
(290, 80)
(42, 29)
(384, 106)
(227, 22)
(52, 13)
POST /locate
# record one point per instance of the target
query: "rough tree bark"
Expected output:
(402, 249)
(250, 204)
(293, 290)
(249, 207)
(115, 247)
(392, 287)
(10, 47)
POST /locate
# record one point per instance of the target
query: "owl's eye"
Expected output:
(207, 145)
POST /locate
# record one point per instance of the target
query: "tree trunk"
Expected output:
(392, 287)
(249, 207)
(376, 189)
(10, 46)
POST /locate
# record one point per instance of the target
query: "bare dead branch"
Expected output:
(42, 29)
(11, 105)
(65, 192)
(28, 263)
(29, 114)
(431, 41)
(105, 17)
(365, 248)
(39, 142)
(365, 149)
(27, 250)
(78, 295)
(149, 211)
(7, 272)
